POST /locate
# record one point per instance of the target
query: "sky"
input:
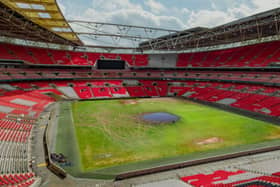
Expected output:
(169, 14)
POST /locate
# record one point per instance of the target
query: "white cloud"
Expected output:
(113, 5)
(185, 10)
(262, 5)
(215, 17)
(154, 6)
(257, 6)
(126, 12)
(208, 18)
(155, 13)
(241, 11)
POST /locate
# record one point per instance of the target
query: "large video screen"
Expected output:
(110, 64)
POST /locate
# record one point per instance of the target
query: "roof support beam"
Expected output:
(34, 2)
(113, 35)
(22, 28)
(47, 16)
(122, 25)
(36, 10)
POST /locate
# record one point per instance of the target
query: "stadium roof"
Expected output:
(110, 35)
(44, 13)
(253, 27)
(42, 20)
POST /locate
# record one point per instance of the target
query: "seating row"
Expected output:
(36, 55)
(20, 110)
(22, 103)
(223, 178)
(41, 73)
(255, 98)
(257, 55)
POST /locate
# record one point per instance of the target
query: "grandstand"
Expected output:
(44, 64)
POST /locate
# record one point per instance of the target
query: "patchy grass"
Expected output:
(109, 133)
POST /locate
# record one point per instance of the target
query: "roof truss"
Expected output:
(45, 13)
(115, 35)
(15, 25)
(254, 27)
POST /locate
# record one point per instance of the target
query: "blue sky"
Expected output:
(172, 14)
(175, 14)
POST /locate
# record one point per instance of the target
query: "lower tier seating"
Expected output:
(22, 103)
(19, 110)
(223, 178)
(259, 99)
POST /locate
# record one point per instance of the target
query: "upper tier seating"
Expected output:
(62, 57)
(20, 52)
(6, 54)
(41, 55)
(257, 55)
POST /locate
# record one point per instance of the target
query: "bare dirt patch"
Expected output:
(87, 125)
(128, 102)
(274, 136)
(169, 99)
(207, 141)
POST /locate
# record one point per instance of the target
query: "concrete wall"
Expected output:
(162, 60)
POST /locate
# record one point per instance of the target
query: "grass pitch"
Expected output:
(109, 134)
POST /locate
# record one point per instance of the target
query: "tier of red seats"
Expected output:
(248, 97)
(5, 54)
(177, 90)
(20, 52)
(136, 91)
(218, 179)
(149, 88)
(14, 135)
(162, 88)
(101, 92)
(84, 92)
(62, 57)
(210, 179)
(20, 180)
(257, 55)
(261, 99)
(43, 73)
(16, 128)
(13, 125)
(118, 91)
(255, 102)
